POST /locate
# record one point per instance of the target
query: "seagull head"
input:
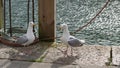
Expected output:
(31, 24)
(63, 26)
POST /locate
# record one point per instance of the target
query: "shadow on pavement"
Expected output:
(29, 54)
(63, 61)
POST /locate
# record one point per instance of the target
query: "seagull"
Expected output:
(27, 38)
(69, 40)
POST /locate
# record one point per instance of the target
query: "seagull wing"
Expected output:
(74, 42)
(21, 40)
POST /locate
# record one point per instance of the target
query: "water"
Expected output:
(104, 30)
(19, 13)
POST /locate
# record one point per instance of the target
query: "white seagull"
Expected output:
(27, 38)
(69, 40)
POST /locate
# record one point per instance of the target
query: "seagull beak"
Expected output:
(35, 24)
(60, 27)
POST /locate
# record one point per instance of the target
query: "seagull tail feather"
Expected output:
(82, 41)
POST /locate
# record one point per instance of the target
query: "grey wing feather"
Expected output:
(74, 42)
(22, 39)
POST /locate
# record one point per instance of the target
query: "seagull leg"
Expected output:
(71, 51)
(66, 52)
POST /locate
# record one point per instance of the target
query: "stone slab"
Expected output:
(24, 64)
(116, 55)
(24, 53)
(94, 55)
(90, 55)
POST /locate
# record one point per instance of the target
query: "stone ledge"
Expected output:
(90, 55)
(23, 64)
(116, 55)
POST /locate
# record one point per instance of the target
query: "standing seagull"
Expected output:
(27, 38)
(69, 40)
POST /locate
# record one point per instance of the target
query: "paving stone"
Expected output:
(94, 55)
(24, 64)
(24, 53)
(91, 55)
(116, 55)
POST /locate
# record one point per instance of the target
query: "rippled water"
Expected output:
(19, 17)
(105, 29)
